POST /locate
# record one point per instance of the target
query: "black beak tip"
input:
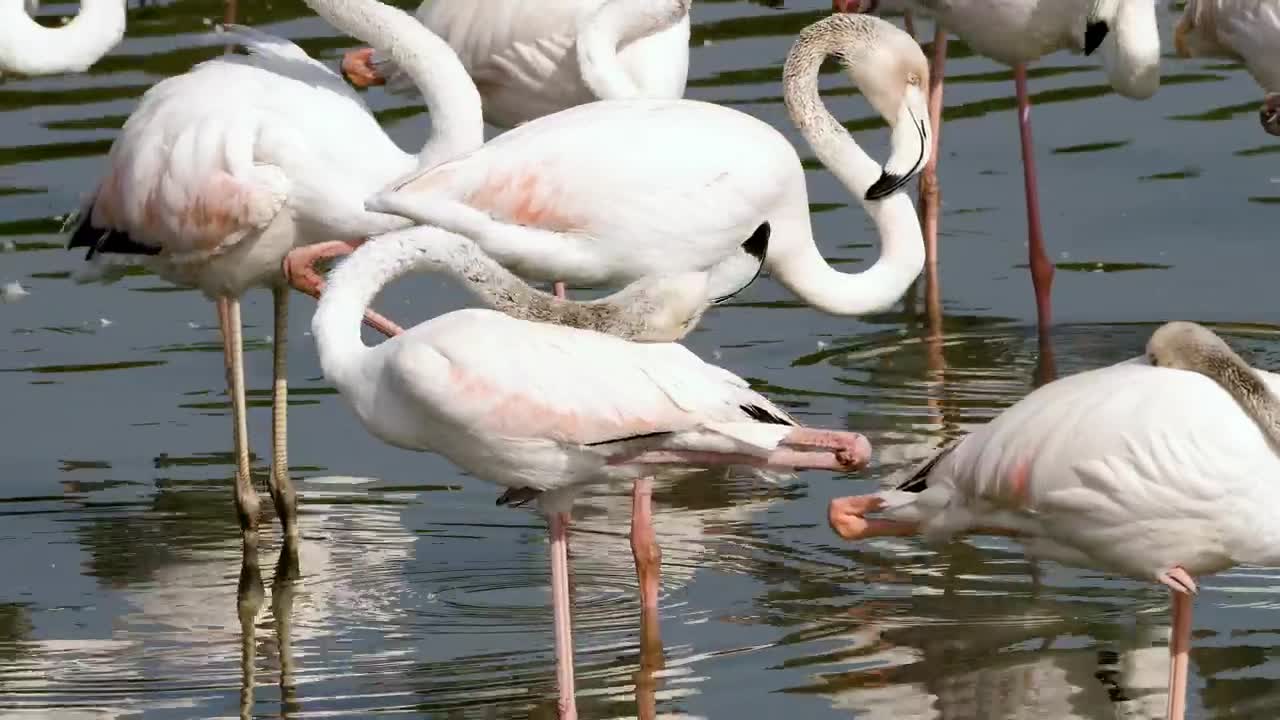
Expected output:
(1094, 33)
(885, 186)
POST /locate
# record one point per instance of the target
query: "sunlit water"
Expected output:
(415, 595)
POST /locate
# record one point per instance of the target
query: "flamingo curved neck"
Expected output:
(801, 267)
(28, 48)
(616, 23)
(451, 97)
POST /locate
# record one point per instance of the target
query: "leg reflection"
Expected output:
(249, 594)
(651, 661)
(284, 586)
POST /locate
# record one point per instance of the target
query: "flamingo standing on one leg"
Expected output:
(610, 191)
(1245, 30)
(220, 171)
(1163, 468)
(545, 409)
(1016, 32)
(28, 48)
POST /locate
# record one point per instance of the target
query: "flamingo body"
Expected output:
(223, 169)
(683, 208)
(522, 55)
(1129, 468)
(1247, 30)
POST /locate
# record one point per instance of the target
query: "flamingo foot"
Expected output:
(1179, 581)
(851, 450)
(300, 273)
(358, 67)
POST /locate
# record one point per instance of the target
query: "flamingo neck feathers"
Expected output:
(802, 268)
(1189, 346)
(616, 23)
(450, 95)
(28, 48)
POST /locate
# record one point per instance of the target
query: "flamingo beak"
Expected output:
(911, 144)
(1270, 114)
(360, 70)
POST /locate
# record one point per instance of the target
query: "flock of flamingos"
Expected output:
(250, 168)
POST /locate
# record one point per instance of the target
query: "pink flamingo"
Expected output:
(543, 409)
(1016, 32)
(1161, 467)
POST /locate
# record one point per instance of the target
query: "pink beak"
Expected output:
(854, 6)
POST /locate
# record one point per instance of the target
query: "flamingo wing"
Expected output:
(491, 374)
(628, 187)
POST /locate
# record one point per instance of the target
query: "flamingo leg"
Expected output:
(847, 517)
(644, 543)
(802, 449)
(247, 502)
(1041, 267)
(284, 587)
(1182, 587)
(281, 486)
(560, 290)
(563, 619)
(930, 193)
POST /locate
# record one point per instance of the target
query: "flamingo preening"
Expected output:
(1162, 467)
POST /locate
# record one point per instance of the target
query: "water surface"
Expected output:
(415, 595)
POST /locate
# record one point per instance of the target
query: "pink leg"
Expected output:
(563, 619)
(930, 194)
(1182, 587)
(644, 543)
(847, 517)
(1041, 267)
(299, 272)
(559, 286)
(827, 450)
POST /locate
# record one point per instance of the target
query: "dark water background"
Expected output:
(419, 597)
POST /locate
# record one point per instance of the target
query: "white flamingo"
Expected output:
(1162, 467)
(28, 48)
(530, 59)
(611, 191)
(1016, 32)
(1245, 30)
(544, 409)
(222, 170)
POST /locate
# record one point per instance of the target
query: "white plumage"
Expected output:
(524, 56)
(28, 48)
(1244, 30)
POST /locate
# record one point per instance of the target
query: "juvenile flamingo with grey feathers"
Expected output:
(545, 409)
(1163, 467)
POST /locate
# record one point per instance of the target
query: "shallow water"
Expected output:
(417, 596)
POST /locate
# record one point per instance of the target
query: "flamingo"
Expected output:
(223, 169)
(1245, 30)
(28, 48)
(1016, 32)
(534, 59)
(610, 191)
(544, 409)
(657, 308)
(1161, 467)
